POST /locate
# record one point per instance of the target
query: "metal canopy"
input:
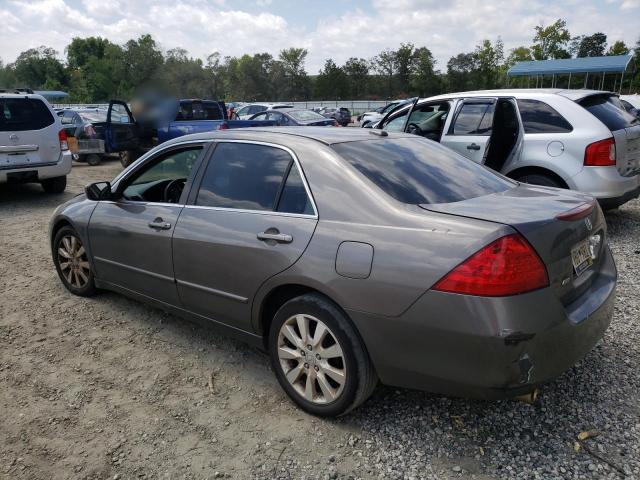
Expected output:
(611, 64)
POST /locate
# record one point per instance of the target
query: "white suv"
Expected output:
(33, 145)
(578, 139)
(248, 111)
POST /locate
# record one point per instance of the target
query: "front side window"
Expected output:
(305, 115)
(243, 176)
(539, 117)
(474, 119)
(164, 178)
(119, 114)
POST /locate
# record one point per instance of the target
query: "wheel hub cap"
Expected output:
(311, 359)
(73, 261)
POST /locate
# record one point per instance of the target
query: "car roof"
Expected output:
(285, 135)
(24, 95)
(522, 93)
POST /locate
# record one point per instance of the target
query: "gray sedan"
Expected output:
(351, 256)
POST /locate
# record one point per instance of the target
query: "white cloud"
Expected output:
(205, 26)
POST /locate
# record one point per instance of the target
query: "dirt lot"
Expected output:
(109, 388)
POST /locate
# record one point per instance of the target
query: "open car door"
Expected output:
(470, 129)
(121, 132)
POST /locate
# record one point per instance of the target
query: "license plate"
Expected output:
(581, 257)
(14, 159)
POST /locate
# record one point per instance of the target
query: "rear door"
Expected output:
(624, 127)
(121, 132)
(249, 217)
(28, 133)
(470, 129)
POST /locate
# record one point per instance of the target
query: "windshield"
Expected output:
(418, 171)
(94, 117)
(609, 111)
(304, 115)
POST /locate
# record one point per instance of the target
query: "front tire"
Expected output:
(128, 157)
(318, 357)
(54, 185)
(72, 263)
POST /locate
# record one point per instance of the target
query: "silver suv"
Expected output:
(578, 139)
(33, 145)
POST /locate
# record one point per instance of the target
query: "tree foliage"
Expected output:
(96, 70)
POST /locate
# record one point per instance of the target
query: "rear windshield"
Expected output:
(19, 114)
(199, 111)
(303, 115)
(418, 171)
(96, 117)
(609, 111)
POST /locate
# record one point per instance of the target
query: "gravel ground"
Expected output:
(109, 388)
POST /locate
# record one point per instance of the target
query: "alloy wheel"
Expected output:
(73, 261)
(311, 359)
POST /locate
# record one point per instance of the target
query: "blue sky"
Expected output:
(327, 28)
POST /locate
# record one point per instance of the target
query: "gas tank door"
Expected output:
(354, 259)
(555, 149)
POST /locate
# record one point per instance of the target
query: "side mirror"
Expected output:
(98, 191)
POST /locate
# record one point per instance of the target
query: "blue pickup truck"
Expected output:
(131, 137)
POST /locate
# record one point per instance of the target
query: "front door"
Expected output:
(470, 129)
(121, 131)
(248, 218)
(130, 236)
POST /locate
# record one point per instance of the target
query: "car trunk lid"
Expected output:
(534, 212)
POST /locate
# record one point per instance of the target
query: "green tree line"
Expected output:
(95, 69)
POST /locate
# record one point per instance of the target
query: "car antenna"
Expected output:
(380, 133)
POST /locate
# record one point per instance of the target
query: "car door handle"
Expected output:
(473, 146)
(278, 237)
(159, 224)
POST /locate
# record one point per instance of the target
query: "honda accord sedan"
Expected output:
(352, 256)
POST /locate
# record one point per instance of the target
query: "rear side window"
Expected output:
(474, 119)
(243, 176)
(18, 114)
(538, 117)
(294, 198)
(417, 171)
(609, 111)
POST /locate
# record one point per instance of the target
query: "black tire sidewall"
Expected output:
(55, 184)
(538, 179)
(90, 288)
(337, 323)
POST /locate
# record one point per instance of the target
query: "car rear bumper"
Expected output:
(614, 202)
(607, 185)
(37, 172)
(488, 347)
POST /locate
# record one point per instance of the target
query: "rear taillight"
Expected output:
(601, 154)
(62, 136)
(507, 266)
(581, 211)
(223, 126)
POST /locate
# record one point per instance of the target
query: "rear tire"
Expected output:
(128, 157)
(54, 185)
(540, 179)
(335, 367)
(72, 263)
(93, 159)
